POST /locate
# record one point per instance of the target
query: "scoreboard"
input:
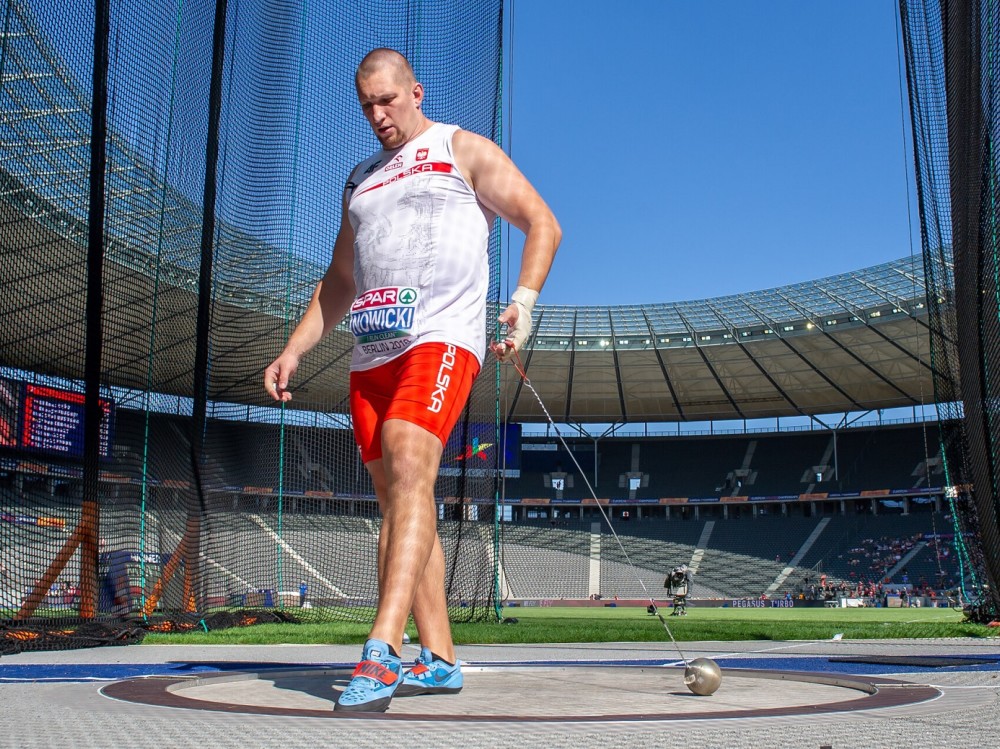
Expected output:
(49, 420)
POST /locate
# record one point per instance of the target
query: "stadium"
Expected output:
(814, 445)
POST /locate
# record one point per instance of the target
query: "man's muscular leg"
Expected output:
(411, 561)
(430, 608)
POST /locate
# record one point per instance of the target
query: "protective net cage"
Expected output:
(953, 71)
(147, 482)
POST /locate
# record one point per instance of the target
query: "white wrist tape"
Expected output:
(525, 297)
(518, 332)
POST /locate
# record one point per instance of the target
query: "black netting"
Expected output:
(210, 501)
(951, 55)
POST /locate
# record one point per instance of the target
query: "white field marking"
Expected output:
(800, 644)
(737, 653)
(296, 556)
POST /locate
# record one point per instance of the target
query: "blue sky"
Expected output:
(697, 149)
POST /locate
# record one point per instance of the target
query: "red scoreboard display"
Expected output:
(52, 421)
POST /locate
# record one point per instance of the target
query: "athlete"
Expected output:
(410, 265)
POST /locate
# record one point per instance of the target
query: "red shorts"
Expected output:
(427, 386)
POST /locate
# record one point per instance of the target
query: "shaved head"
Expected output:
(390, 97)
(389, 60)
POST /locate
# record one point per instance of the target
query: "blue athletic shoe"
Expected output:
(431, 675)
(374, 680)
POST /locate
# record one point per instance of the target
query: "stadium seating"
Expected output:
(847, 550)
(744, 557)
(781, 462)
(691, 467)
(886, 458)
(549, 558)
(765, 464)
(653, 547)
(546, 561)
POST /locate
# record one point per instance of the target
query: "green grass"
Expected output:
(568, 624)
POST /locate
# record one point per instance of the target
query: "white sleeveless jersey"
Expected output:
(421, 263)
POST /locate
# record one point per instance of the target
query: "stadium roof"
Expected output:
(856, 341)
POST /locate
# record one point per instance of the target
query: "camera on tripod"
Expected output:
(678, 584)
(677, 577)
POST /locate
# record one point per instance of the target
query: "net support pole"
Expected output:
(90, 521)
(200, 395)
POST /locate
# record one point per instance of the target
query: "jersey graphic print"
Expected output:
(410, 227)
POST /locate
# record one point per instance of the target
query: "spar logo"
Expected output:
(381, 314)
(385, 297)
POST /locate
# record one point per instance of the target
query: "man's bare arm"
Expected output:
(330, 301)
(502, 188)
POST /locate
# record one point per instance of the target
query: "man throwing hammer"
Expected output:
(410, 265)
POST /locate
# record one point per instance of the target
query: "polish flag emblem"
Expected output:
(421, 154)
